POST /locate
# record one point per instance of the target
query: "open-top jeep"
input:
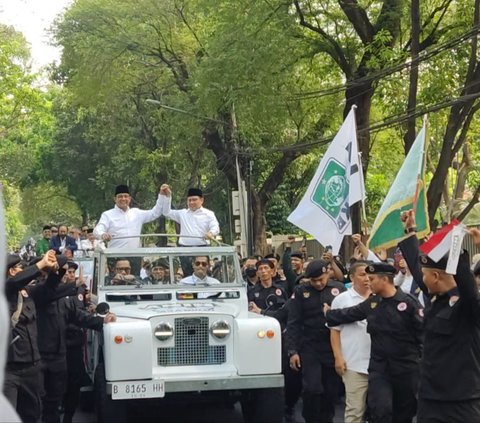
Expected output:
(171, 337)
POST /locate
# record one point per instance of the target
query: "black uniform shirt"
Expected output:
(271, 300)
(450, 367)
(395, 326)
(306, 327)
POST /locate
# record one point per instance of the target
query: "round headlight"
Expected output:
(220, 329)
(163, 331)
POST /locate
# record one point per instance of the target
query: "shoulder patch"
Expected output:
(453, 299)
(373, 305)
(80, 297)
(257, 294)
(306, 294)
(278, 292)
(335, 292)
(402, 306)
(420, 312)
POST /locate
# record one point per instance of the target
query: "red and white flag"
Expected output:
(447, 240)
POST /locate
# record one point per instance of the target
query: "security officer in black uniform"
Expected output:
(308, 342)
(266, 297)
(53, 318)
(395, 325)
(450, 368)
(75, 341)
(22, 385)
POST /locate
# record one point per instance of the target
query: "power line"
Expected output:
(448, 45)
(388, 122)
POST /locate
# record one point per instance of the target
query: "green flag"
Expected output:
(407, 192)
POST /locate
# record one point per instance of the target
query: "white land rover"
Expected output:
(174, 336)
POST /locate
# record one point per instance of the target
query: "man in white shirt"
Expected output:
(200, 273)
(351, 346)
(195, 221)
(123, 221)
(88, 245)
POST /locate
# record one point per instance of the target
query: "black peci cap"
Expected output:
(122, 189)
(381, 268)
(195, 192)
(316, 268)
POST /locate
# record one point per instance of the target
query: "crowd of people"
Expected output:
(399, 336)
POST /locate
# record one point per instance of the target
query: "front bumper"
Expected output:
(228, 384)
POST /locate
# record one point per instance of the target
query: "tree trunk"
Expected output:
(361, 96)
(259, 222)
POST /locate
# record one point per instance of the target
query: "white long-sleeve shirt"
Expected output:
(192, 223)
(119, 223)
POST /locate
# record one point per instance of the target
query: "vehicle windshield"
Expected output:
(152, 271)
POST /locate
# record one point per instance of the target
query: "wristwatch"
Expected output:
(410, 230)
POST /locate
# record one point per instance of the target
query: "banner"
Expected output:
(324, 211)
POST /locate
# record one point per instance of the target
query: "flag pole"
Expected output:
(364, 212)
(419, 176)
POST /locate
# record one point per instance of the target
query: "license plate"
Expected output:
(131, 390)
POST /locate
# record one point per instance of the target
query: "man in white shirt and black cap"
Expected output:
(123, 221)
(197, 224)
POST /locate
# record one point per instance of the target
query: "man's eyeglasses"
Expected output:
(201, 263)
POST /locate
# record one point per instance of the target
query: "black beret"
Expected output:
(316, 268)
(195, 192)
(264, 261)
(72, 265)
(122, 189)
(47, 227)
(381, 268)
(13, 260)
(297, 254)
(426, 261)
(61, 260)
(476, 269)
(90, 231)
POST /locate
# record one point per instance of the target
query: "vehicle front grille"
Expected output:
(191, 345)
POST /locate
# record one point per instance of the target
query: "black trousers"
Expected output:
(392, 398)
(430, 411)
(77, 377)
(293, 381)
(23, 389)
(54, 373)
(321, 385)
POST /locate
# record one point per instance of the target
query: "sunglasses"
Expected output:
(201, 263)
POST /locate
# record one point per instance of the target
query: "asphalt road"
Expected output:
(192, 413)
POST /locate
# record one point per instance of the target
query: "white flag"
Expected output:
(324, 211)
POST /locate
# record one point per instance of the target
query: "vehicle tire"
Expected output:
(106, 409)
(263, 405)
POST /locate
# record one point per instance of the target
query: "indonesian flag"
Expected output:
(447, 240)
